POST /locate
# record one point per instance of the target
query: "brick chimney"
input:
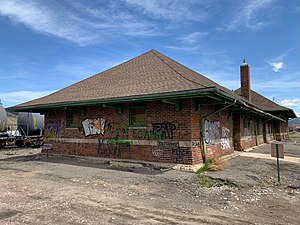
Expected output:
(245, 80)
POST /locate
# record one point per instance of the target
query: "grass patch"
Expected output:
(205, 180)
(209, 182)
(119, 141)
(294, 134)
(213, 164)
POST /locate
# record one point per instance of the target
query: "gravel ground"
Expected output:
(57, 190)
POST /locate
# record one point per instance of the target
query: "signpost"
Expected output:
(277, 150)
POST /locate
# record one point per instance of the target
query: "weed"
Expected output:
(294, 134)
(205, 180)
(213, 164)
(217, 164)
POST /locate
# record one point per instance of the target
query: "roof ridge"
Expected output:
(154, 52)
(89, 77)
(268, 99)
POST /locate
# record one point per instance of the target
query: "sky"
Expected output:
(46, 45)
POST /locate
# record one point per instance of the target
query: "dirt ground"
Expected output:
(62, 190)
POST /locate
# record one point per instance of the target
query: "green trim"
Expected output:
(176, 102)
(212, 92)
(160, 96)
(70, 120)
(119, 107)
(197, 105)
(132, 115)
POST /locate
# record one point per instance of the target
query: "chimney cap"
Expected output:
(244, 63)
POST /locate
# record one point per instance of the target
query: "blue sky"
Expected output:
(48, 45)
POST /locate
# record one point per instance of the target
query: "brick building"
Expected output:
(154, 109)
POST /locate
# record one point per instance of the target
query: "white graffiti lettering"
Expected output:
(157, 153)
(225, 139)
(211, 131)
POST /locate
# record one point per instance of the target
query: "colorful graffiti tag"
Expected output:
(53, 129)
(93, 126)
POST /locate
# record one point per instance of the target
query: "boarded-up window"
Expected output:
(73, 119)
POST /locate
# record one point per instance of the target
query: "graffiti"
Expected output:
(113, 148)
(211, 131)
(195, 144)
(167, 128)
(159, 131)
(157, 153)
(149, 135)
(124, 132)
(117, 130)
(93, 126)
(53, 129)
(225, 139)
(179, 154)
(118, 141)
(168, 144)
(121, 133)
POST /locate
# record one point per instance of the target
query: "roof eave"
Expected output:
(257, 110)
(158, 96)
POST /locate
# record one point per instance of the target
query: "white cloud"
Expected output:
(174, 10)
(276, 66)
(282, 84)
(248, 15)
(18, 97)
(42, 19)
(82, 26)
(183, 48)
(88, 22)
(193, 37)
(291, 102)
(277, 63)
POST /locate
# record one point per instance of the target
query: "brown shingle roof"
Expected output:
(266, 104)
(149, 73)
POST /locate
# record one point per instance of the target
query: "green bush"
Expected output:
(213, 164)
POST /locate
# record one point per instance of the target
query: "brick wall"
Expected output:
(179, 144)
(253, 134)
(218, 131)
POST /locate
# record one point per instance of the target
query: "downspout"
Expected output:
(202, 135)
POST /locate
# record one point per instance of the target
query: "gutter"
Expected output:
(148, 97)
(248, 106)
(157, 96)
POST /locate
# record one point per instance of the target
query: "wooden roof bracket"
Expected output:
(175, 102)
